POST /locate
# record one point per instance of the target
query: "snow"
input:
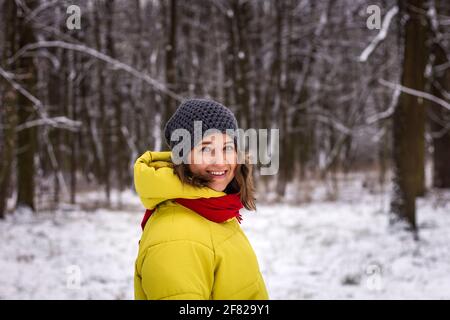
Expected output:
(38, 255)
(315, 250)
(347, 250)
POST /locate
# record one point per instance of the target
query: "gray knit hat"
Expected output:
(212, 114)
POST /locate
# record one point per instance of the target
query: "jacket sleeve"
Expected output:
(178, 270)
(155, 181)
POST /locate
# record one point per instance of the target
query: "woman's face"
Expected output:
(215, 157)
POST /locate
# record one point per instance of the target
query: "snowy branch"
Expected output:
(31, 15)
(380, 36)
(334, 123)
(59, 122)
(416, 93)
(56, 122)
(442, 91)
(443, 123)
(98, 55)
(388, 112)
(10, 78)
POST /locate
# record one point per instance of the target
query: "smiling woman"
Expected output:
(192, 246)
(218, 168)
(218, 161)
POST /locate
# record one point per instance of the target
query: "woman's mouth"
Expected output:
(217, 174)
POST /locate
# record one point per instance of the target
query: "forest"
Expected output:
(76, 100)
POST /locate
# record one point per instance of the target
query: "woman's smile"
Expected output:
(217, 174)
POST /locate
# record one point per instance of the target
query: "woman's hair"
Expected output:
(242, 181)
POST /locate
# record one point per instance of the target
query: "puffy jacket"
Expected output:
(183, 255)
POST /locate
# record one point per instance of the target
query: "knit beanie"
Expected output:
(212, 115)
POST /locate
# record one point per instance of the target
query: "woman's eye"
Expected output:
(206, 149)
(229, 148)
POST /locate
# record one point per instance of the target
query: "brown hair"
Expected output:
(242, 181)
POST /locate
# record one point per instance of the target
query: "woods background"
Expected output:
(79, 106)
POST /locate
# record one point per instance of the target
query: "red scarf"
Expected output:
(218, 209)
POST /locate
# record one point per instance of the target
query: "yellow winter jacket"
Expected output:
(183, 255)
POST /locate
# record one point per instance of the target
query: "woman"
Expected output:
(192, 246)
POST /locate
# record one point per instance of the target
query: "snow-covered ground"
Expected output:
(330, 250)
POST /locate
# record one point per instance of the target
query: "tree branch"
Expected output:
(380, 36)
(416, 93)
(98, 55)
(388, 112)
(56, 122)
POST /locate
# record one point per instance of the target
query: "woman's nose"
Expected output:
(218, 157)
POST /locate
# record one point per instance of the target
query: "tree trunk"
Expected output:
(26, 137)
(440, 117)
(73, 135)
(171, 53)
(409, 119)
(119, 152)
(8, 111)
(104, 114)
(241, 13)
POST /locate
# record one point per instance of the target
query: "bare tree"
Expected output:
(8, 117)
(26, 142)
(409, 117)
(440, 87)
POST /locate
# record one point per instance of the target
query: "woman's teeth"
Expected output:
(217, 173)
